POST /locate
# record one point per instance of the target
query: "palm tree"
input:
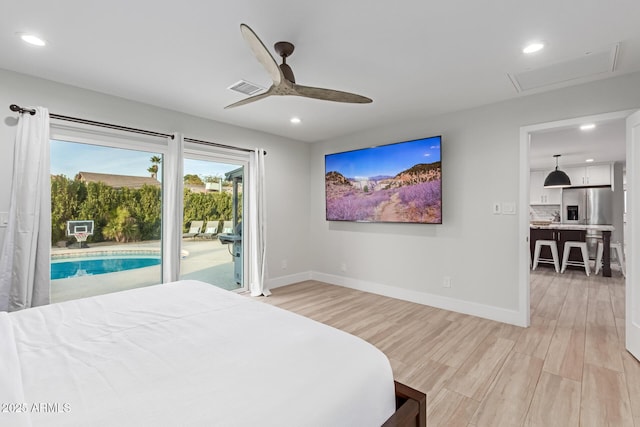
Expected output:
(155, 160)
(122, 227)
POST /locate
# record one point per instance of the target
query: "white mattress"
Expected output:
(186, 353)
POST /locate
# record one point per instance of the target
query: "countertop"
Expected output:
(560, 226)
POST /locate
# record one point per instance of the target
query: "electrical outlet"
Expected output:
(4, 219)
(284, 264)
(497, 208)
(343, 266)
(446, 282)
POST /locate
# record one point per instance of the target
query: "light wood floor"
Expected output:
(568, 369)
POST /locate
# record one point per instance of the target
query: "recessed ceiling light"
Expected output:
(590, 160)
(295, 120)
(533, 47)
(32, 39)
(588, 126)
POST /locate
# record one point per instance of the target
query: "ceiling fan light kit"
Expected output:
(284, 83)
(557, 178)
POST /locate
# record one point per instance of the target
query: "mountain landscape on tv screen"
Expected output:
(413, 195)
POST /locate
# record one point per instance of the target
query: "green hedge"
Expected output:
(125, 214)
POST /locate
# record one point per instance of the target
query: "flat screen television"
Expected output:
(398, 182)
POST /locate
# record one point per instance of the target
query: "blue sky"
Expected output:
(69, 158)
(384, 160)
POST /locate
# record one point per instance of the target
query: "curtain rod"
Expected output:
(21, 110)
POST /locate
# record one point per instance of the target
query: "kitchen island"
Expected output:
(571, 232)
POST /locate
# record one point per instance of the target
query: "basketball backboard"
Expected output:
(84, 226)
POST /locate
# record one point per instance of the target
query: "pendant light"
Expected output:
(557, 178)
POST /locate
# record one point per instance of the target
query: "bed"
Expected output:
(187, 353)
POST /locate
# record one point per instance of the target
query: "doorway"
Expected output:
(119, 202)
(527, 135)
(212, 249)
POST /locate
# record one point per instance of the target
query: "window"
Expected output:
(106, 219)
(212, 249)
(111, 204)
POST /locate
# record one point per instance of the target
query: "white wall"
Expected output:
(287, 160)
(477, 249)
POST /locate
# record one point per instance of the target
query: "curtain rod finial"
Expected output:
(18, 109)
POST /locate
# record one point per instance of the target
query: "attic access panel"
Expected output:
(589, 65)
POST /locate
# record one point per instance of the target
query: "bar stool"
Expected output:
(619, 256)
(554, 253)
(585, 256)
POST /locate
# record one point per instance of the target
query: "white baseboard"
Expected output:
(512, 317)
(288, 280)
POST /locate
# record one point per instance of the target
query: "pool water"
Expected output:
(91, 266)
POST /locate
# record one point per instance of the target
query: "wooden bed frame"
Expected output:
(411, 408)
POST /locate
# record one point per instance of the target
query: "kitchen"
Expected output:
(591, 209)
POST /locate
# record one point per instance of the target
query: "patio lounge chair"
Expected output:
(227, 227)
(211, 230)
(194, 229)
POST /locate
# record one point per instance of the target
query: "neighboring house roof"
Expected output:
(118, 181)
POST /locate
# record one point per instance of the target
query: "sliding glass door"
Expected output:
(212, 244)
(106, 219)
(111, 203)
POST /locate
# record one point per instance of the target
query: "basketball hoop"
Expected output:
(80, 229)
(81, 237)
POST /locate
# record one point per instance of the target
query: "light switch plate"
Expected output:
(496, 208)
(508, 208)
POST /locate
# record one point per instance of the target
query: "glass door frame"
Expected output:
(217, 155)
(87, 134)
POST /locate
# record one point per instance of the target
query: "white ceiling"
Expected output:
(414, 58)
(604, 144)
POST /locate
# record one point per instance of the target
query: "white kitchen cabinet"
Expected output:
(589, 175)
(538, 195)
(599, 175)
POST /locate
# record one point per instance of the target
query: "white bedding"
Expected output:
(186, 353)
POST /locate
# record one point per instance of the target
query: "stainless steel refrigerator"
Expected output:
(588, 206)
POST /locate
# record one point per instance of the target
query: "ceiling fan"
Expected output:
(284, 83)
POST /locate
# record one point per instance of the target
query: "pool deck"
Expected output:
(207, 260)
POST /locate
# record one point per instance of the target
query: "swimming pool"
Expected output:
(99, 265)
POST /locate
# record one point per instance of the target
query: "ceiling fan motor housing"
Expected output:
(285, 49)
(287, 72)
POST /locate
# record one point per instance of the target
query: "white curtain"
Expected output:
(24, 258)
(257, 224)
(172, 201)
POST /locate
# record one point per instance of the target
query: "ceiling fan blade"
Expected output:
(262, 54)
(250, 99)
(330, 95)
